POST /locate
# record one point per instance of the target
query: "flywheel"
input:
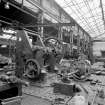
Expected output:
(32, 69)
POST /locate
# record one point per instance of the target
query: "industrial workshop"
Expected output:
(52, 52)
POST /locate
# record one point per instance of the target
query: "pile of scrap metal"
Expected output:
(77, 69)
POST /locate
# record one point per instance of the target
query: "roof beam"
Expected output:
(102, 10)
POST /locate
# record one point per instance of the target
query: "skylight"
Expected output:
(87, 13)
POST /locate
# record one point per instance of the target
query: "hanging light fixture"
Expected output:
(7, 5)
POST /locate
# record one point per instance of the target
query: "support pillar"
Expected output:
(71, 41)
(40, 21)
(60, 33)
(91, 51)
(78, 44)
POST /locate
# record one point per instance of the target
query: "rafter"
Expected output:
(102, 10)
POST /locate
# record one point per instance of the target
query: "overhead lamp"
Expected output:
(7, 5)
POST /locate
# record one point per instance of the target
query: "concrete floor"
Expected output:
(31, 100)
(44, 96)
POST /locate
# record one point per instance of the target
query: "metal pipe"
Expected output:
(2, 21)
(102, 10)
(22, 3)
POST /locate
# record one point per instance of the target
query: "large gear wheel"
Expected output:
(32, 69)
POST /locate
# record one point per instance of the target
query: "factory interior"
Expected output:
(52, 52)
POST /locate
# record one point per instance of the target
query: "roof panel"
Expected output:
(86, 12)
